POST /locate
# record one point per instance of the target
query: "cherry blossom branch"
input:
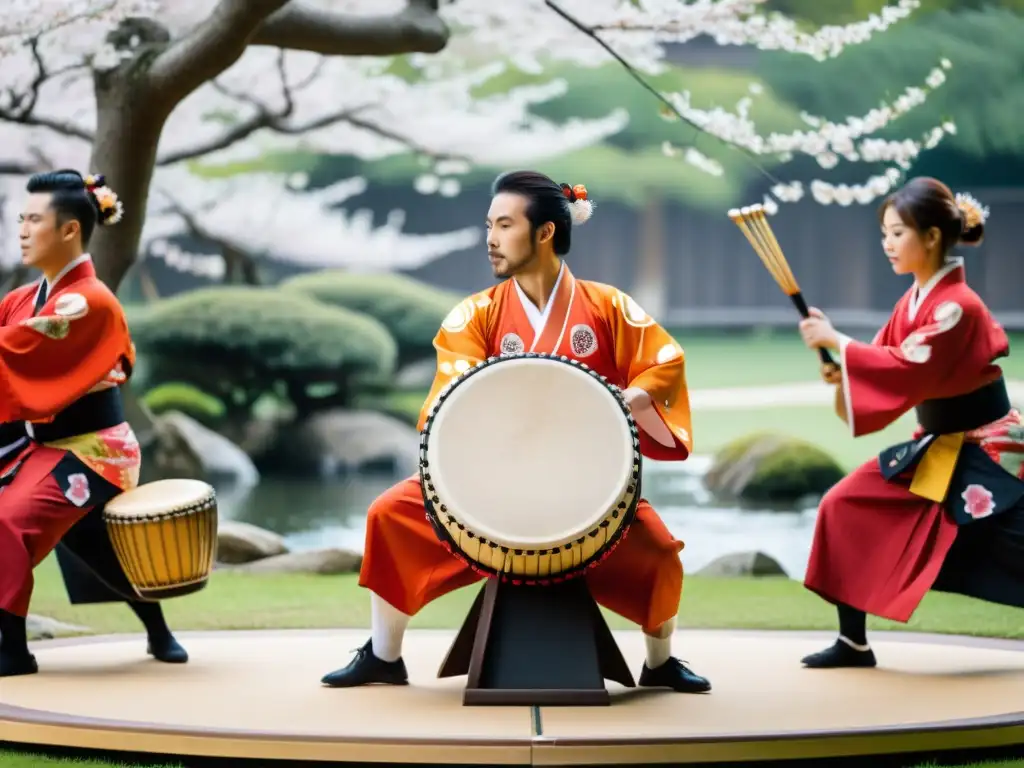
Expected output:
(730, 22)
(416, 29)
(828, 141)
(651, 89)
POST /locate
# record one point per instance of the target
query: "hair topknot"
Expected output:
(924, 203)
(561, 204)
(73, 197)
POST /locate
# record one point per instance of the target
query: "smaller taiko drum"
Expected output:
(165, 536)
(530, 467)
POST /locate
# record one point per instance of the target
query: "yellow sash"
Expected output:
(935, 469)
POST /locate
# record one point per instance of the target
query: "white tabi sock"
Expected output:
(387, 628)
(659, 646)
(856, 646)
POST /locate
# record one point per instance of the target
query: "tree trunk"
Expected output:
(650, 288)
(127, 135)
(238, 265)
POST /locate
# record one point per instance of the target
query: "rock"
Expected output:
(341, 442)
(418, 375)
(743, 564)
(244, 543)
(182, 447)
(322, 561)
(45, 628)
(770, 469)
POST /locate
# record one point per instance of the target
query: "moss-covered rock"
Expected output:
(183, 397)
(771, 469)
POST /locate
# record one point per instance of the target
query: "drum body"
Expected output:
(165, 536)
(530, 467)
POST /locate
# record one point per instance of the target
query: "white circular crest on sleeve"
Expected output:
(948, 314)
(71, 306)
(667, 353)
(632, 312)
(915, 350)
(459, 317)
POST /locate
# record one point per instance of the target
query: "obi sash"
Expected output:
(90, 413)
(946, 469)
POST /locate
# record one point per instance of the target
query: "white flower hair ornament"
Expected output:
(111, 210)
(973, 211)
(580, 208)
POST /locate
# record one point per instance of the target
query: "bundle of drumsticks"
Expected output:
(753, 222)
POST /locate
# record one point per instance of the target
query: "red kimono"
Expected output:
(70, 449)
(936, 512)
(405, 562)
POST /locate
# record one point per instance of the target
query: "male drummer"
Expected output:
(543, 309)
(65, 447)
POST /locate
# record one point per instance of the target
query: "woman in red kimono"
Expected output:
(938, 512)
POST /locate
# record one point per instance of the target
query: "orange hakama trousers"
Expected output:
(406, 564)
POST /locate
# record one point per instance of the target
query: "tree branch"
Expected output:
(416, 29)
(16, 169)
(214, 45)
(268, 118)
(22, 105)
(265, 120)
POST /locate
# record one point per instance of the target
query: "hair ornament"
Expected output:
(580, 208)
(111, 209)
(974, 213)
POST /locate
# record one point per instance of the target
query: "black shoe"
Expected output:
(673, 674)
(839, 655)
(167, 650)
(366, 669)
(12, 665)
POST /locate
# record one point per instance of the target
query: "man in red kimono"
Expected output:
(65, 447)
(541, 308)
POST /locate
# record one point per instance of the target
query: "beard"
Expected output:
(505, 267)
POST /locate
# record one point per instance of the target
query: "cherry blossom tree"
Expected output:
(303, 227)
(141, 89)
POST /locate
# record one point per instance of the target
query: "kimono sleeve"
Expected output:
(461, 343)
(648, 358)
(883, 380)
(49, 361)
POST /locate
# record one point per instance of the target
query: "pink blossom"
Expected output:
(978, 501)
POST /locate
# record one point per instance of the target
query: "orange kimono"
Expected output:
(69, 448)
(407, 565)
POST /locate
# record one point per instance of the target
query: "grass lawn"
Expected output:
(262, 601)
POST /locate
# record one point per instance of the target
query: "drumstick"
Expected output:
(754, 224)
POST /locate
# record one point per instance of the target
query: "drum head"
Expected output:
(530, 452)
(158, 497)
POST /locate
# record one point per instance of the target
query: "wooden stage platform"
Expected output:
(258, 695)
